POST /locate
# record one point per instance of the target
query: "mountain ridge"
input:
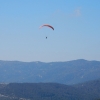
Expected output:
(68, 72)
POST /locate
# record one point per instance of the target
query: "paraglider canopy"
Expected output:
(47, 25)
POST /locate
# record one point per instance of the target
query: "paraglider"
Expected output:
(47, 25)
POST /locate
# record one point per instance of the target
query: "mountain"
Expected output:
(69, 72)
(90, 88)
(50, 91)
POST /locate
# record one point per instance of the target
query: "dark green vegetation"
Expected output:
(70, 72)
(50, 91)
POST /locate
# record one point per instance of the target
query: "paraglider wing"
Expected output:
(47, 26)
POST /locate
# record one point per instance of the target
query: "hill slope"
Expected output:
(50, 91)
(70, 72)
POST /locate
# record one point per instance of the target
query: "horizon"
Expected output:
(48, 62)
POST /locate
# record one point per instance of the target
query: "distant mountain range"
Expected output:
(69, 72)
(50, 91)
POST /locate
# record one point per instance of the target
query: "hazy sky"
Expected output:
(76, 34)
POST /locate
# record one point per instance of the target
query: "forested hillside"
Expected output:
(69, 72)
(50, 91)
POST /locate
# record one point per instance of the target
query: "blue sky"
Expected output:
(76, 34)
